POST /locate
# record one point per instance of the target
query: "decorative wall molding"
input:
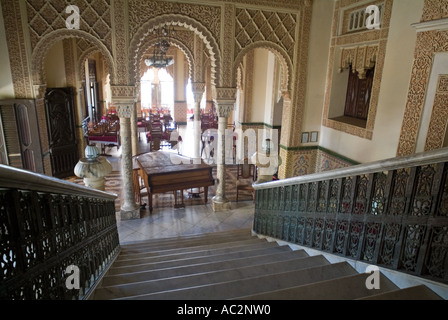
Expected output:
(431, 25)
(262, 25)
(225, 94)
(428, 43)
(15, 37)
(434, 10)
(439, 117)
(248, 84)
(362, 58)
(228, 73)
(123, 92)
(47, 16)
(121, 41)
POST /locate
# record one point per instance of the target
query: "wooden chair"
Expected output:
(246, 176)
(139, 185)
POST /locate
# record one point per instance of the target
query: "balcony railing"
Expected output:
(392, 213)
(54, 236)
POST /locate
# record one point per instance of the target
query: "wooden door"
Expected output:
(20, 139)
(60, 113)
(358, 94)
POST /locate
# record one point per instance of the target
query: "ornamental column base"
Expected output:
(221, 204)
(130, 214)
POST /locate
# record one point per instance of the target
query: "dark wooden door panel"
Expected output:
(358, 94)
(60, 114)
(21, 133)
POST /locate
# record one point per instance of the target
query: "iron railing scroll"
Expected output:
(56, 238)
(391, 213)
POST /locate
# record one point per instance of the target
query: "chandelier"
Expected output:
(159, 58)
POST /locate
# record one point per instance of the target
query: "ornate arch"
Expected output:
(138, 42)
(177, 43)
(280, 53)
(42, 47)
(82, 59)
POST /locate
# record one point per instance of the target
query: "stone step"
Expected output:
(182, 244)
(185, 241)
(161, 252)
(152, 286)
(197, 260)
(182, 254)
(420, 292)
(344, 288)
(255, 285)
(147, 275)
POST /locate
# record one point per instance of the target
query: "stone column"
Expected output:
(226, 103)
(129, 208)
(134, 131)
(198, 92)
(287, 139)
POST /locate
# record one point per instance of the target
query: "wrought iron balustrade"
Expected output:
(391, 213)
(46, 227)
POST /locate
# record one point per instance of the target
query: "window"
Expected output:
(357, 19)
(157, 90)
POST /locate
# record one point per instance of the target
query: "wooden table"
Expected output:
(164, 171)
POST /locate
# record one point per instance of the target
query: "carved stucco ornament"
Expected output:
(361, 58)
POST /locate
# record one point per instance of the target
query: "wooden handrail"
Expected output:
(25, 180)
(424, 158)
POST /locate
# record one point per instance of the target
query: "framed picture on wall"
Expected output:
(314, 136)
(305, 137)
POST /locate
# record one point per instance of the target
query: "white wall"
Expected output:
(6, 85)
(257, 113)
(270, 86)
(319, 50)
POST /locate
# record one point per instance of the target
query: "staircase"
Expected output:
(236, 265)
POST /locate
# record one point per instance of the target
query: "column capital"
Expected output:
(198, 87)
(225, 95)
(224, 110)
(123, 94)
(124, 110)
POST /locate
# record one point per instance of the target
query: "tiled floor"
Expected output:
(171, 222)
